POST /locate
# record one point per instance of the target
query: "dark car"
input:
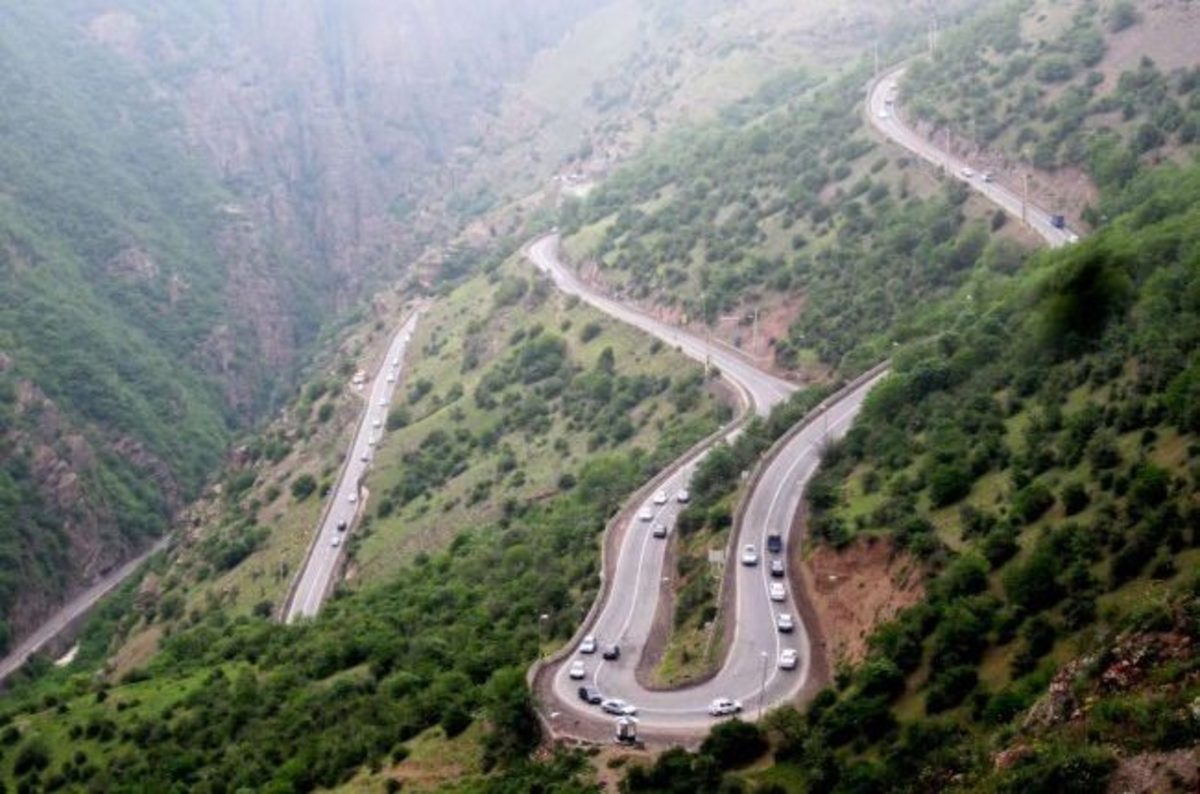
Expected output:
(774, 543)
(590, 695)
(777, 569)
(612, 652)
(341, 526)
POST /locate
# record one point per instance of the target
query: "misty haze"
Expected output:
(570, 396)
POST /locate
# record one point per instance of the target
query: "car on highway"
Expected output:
(366, 457)
(591, 695)
(588, 645)
(371, 441)
(749, 555)
(353, 498)
(391, 379)
(618, 707)
(723, 707)
(777, 591)
(788, 659)
(968, 173)
(775, 543)
(378, 423)
(1072, 237)
(785, 623)
(987, 176)
(577, 671)
(883, 114)
(645, 514)
(777, 568)
(683, 496)
(659, 529)
(660, 498)
(337, 541)
(341, 527)
(383, 403)
(612, 652)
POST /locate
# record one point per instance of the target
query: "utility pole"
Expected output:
(1025, 198)
(754, 336)
(707, 334)
(762, 690)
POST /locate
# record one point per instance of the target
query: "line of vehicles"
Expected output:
(373, 434)
(789, 659)
(720, 707)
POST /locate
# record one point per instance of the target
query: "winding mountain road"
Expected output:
(626, 615)
(315, 580)
(882, 99)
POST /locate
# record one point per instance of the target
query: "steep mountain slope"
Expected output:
(189, 192)
(1072, 94)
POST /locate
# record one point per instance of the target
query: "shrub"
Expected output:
(590, 332)
(734, 743)
(1031, 502)
(303, 486)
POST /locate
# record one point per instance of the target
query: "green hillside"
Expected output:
(1040, 455)
(111, 285)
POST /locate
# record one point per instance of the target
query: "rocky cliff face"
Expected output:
(326, 118)
(189, 191)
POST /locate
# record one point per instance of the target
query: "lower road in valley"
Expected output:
(882, 103)
(316, 578)
(751, 672)
(73, 611)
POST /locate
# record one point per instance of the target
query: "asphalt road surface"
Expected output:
(764, 389)
(316, 579)
(881, 112)
(73, 610)
(751, 673)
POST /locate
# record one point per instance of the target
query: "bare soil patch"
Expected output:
(857, 588)
(1155, 772)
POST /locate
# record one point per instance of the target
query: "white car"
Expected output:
(383, 403)
(883, 114)
(749, 555)
(660, 498)
(371, 441)
(788, 659)
(588, 645)
(618, 707)
(1072, 237)
(682, 496)
(646, 514)
(777, 591)
(353, 498)
(391, 378)
(378, 423)
(337, 541)
(366, 457)
(968, 173)
(577, 670)
(785, 623)
(722, 707)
